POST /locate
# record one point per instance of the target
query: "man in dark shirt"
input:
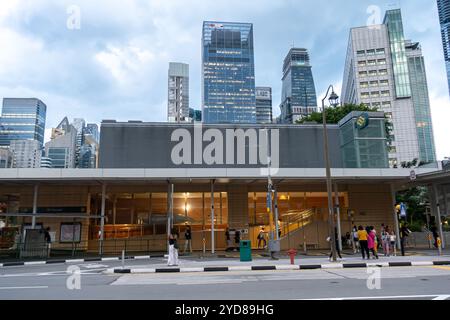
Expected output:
(188, 239)
(48, 240)
(404, 233)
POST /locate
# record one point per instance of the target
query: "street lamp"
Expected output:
(334, 101)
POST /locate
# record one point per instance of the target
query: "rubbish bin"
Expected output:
(245, 250)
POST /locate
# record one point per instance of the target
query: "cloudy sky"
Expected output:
(115, 65)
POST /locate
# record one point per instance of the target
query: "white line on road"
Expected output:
(386, 297)
(22, 288)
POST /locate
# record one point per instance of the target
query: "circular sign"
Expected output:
(362, 121)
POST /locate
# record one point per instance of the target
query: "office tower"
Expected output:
(26, 153)
(46, 163)
(228, 73)
(6, 158)
(263, 105)
(195, 115)
(298, 97)
(421, 101)
(178, 92)
(61, 149)
(22, 119)
(92, 130)
(377, 74)
(444, 19)
(80, 126)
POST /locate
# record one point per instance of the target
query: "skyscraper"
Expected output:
(298, 97)
(80, 126)
(228, 73)
(444, 19)
(26, 153)
(22, 119)
(178, 92)
(263, 105)
(377, 73)
(92, 130)
(61, 149)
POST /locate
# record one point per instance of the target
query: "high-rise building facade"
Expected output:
(80, 125)
(228, 73)
(421, 101)
(178, 92)
(444, 19)
(263, 105)
(22, 119)
(92, 130)
(26, 153)
(61, 149)
(195, 115)
(298, 97)
(377, 74)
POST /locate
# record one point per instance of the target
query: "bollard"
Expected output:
(123, 259)
(292, 253)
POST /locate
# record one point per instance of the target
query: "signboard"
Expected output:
(70, 232)
(362, 121)
(402, 210)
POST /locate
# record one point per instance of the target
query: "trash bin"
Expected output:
(245, 250)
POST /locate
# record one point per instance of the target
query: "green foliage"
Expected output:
(334, 115)
(415, 200)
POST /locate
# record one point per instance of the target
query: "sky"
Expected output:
(112, 62)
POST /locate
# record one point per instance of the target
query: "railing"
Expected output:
(83, 249)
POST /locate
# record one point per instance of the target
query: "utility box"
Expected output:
(245, 250)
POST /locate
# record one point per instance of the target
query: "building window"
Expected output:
(373, 73)
(364, 84)
(385, 93)
(363, 73)
(382, 72)
(386, 104)
(375, 94)
(371, 62)
(362, 63)
(380, 50)
(381, 61)
(361, 52)
(374, 83)
(384, 82)
(365, 95)
(371, 52)
(376, 104)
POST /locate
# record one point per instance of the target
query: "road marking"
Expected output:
(440, 298)
(441, 267)
(21, 288)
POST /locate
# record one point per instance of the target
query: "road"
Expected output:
(50, 282)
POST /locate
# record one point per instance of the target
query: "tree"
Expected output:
(334, 115)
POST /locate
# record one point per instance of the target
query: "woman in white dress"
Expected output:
(173, 249)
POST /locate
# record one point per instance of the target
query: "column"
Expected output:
(35, 199)
(397, 228)
(102, 220)
(438, 214)
(338, 211)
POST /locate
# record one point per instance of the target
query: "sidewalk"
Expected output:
(214, 264)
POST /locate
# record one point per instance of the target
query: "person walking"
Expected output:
(228, 238)
(188, 239)
(48, 241)
(356, 246)
(385, 240)
(237, 239)
(371, 241)
(362, 238)
(173, 248)
(393, 240)
(404, 233)
(262, 238)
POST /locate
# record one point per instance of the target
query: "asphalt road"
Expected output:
(50, 282)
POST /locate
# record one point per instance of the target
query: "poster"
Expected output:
(70, 232)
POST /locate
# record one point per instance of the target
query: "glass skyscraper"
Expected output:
(421, 101)
(263, 105)
(228, 75)
(299, 92)
(444, 19)
(22, 119)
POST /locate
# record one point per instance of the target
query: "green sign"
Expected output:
(362, 121)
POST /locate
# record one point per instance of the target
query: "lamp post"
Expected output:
(334, 101)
